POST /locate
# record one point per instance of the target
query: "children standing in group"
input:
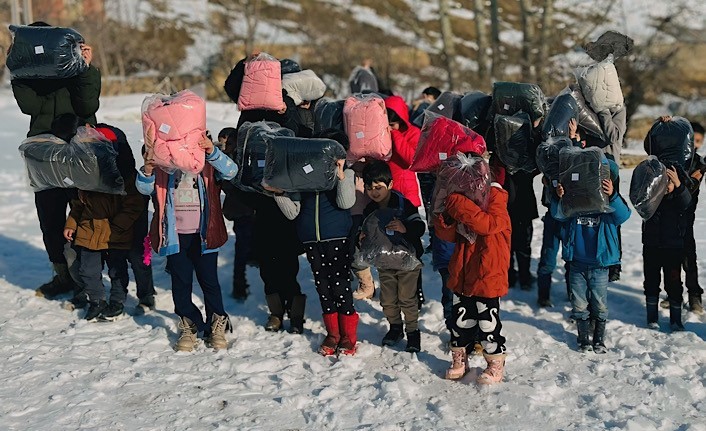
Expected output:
(398, 288)
(188, 228)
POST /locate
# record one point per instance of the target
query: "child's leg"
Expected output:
(408, 299)
(316, 254)
(141, 272)
(447, 298)
(578, 281)
(337, 254)
(91, 275)
(119, 278)
(598, 288)
(388, 296)
(547, 259)
(489, 325)
(181, 269)
(206, 266)
(671, 262)
(652, 266)
(464, 324)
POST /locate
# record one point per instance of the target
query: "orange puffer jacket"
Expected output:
(478, 269)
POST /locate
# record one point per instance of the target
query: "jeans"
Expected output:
(589, 292)
(447, 298)
(551, 246)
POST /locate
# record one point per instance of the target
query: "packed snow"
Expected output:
(59, 372)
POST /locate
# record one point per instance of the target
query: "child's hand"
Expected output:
(608, 187)
(206, 144)
(397, 226)
(697, 175)
(69, 234)
(559, 190)
(361, 236)
(673, 176)
(148, 168)
(665, 118)
(573, 126)
(339, 172)
(86, 53)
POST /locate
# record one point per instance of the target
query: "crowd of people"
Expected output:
(274, 227)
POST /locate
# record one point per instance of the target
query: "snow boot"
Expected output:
(112, 312)
(219, 326)
(459, 363)
(414, 342)
(187, 336)
(274, 303)
(348, 325)
(95, 308)
(241, 289)
(695, 304)
(296, 314)
(664, 304)
(145, 305)
(61, 283)
(366, 285)
(614, 273)
(333, 335)
(495, 370)
(675, 323)
(544, 283)
(394, 335)
(584, 327)
(652, 312)
(598, 337)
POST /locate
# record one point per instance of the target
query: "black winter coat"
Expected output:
(667, 227)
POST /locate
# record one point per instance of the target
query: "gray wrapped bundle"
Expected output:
(45, 53)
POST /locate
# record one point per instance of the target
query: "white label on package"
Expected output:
(260, 163)
(68, 181)
(165, 128)
(389, 232)
(506, 107)
(308, 169)
(442, 156)
(440, 107)
(360, 135)
(555, 183)
(575, 176)
(39, 49)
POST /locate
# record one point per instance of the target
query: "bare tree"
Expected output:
(482, 40)
(448, 50)
(543, 52)
(527, 39)
(495, 40)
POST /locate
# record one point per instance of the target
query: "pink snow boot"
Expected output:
(330, 344)
(494, 372)
(459, 363)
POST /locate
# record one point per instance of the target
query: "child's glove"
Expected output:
(147, 252)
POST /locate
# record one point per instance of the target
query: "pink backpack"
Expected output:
(175, 125)
(366, 124)
(262, 84)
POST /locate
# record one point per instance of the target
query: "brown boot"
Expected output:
(219, 326)
(366, 285)
(187, 336)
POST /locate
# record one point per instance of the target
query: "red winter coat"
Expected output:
(404, 145)
(478, 269)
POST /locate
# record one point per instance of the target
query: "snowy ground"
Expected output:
(59, 372)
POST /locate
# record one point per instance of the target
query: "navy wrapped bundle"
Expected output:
(547, 156)
(671, 141)
(648, 186)
(45, 53)
(583, 172)
(587, 118)
(302, 165)
(513, 140)
(250, 153)
(474, 110)
(563, 109)
(448, 104)
(328, 114)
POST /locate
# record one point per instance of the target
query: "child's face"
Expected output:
(698, 140)
(670, 187)
(378, 191)
(395, 126)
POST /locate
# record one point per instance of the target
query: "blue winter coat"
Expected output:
(321, 219)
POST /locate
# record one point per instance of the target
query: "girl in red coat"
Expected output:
(405, 138)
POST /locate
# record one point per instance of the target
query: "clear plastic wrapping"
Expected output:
(469, 176)
(513, 142)
(328, 114)
(562, 110)
(547, 156)
(287, 65)
(448, 104)
(383, 248)
(442, 138)
(582, 175)
(671, 141)
(510, 98)
(367, 126)
(474, 108)
(648, 186)
(587, 118)
(262, 84)
(45, 53)
(302, 86)
(302, 165)
(87, 163)
(251, 151)
(600, 85)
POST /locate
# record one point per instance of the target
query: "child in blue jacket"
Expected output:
(591, 246)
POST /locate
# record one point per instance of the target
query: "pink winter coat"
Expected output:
(262, 85)
(365, 122)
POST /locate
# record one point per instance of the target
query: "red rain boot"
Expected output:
(349, 330)
(330, 344)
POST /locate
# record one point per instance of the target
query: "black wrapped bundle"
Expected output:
(250, 153)
(587, 118)
(648, 186)
(474, 110)
(547, 156)
(88, 162)
(513, 142)
(328, 114)
(383, 248)
(289, 66)
(448, 105)
(563, 109)
(45, 53)
(302, 165)
(671, 141)
(510, 98)
(583, 172)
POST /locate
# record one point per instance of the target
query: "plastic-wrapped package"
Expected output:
(251, 151)
(563, 109)
(262, 84)
(45, 53)
(469, 176)
(547, 156)
(448, 104)
(175, 125)
(610, 42)
(382, 248)
(366, 124)
(287, 65)
(582, 175)
(587, 118)
(474, 108)
(600, 85)
(513, 142)
(510, 98)
(671, 141)
(87, 163)
(441, 138)
(301, 164)
(304, 85)
(648, 186)
(328, 114)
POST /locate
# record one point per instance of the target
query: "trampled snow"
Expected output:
(60, 373)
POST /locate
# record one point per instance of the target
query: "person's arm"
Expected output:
(404, 146)
(465, 211)
(289, 208)
(444, 228)
(613, 126)
(28, 100)
(133, 205)
(74, 214)
(345, 190)
(144, 182)
(226, 169)
(621, 212)
(235, 81)
(85, 91)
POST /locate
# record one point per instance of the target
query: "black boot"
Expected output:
(652, 311)
(598, 337)
(274, 322)
(394, 335)
(296, 314)
(544, 282)
(614, 273)
(60, 284)
(414, 342)
(675, 316)
(241, 290)
(583, 330)
(95, 308)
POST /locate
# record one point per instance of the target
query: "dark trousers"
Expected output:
(689, 264)
(243, 228)
(330, 264)
(141, 272)
(51, 210)
(447, 297)
(477, 319)
(90, 273)
(667, 261)
(278, 270)
(181, 267)
(353, 238)
(551, 246)
(521, 250)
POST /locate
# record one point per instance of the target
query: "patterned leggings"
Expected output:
(477, 319)
(330, 263)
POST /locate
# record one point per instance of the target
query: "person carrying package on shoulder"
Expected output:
(188, 228)
(591, 246)
(478, 276)
(398, 288)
